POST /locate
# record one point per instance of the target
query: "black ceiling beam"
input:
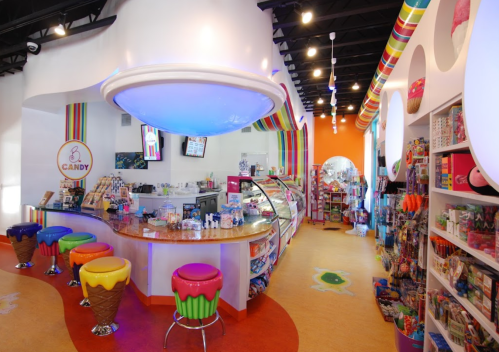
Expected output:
(264, 5)
(15, 65)
(338, 45)
(44, 14)
(336, 74)
(340, 29)
(337, 82)
(346, 13)
(335, 66)
(348, 56)
(77, 30)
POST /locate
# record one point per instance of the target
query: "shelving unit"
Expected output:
(445, 333)
(328, 204)
(316, 195)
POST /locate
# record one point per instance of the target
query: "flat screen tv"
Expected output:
(152, 143)
(194, 146)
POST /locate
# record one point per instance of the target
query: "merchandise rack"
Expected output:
(316, 195)
(329, 203)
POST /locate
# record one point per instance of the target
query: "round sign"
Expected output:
(150, 138)
(74, 160)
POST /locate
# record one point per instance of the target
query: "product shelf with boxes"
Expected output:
(334, 205)
(316, 195)
(445, 333)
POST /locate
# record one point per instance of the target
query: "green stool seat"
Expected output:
(67, 243)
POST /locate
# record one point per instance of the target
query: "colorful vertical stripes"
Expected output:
(38, 216)
(151, 151)
(293, 153)
(76, 127)
(406, 24)
(282, 120)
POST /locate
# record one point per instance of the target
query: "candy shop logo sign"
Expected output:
(74, 160)
(150, 138)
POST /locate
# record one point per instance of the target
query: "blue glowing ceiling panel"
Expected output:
(194, 109)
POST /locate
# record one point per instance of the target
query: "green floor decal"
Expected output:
(335, 281)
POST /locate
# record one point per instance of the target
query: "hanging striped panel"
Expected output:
(283, 120)
(76, 127)
(293, 153)
(407, 22)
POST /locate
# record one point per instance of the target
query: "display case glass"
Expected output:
(287, 183)
(267, 195)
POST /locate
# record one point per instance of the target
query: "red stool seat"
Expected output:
(197, 272)
(92, 247)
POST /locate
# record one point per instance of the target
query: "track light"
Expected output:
(60, 29)
(306, 16)
(343, 119)
(317, 72)
(355, 85)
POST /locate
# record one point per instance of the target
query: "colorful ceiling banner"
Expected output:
(76, 127)
(283, 120)
(407, 22)
(293, 154)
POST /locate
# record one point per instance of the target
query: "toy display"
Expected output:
(415, 95)
(479, 184)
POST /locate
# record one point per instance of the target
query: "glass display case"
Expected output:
(287, 183)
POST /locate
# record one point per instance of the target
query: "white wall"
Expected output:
(44, 133)
(11, 93)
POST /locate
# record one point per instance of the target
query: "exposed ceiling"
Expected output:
(362, 28)
(33, 21)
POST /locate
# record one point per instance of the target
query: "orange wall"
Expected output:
(348, 142)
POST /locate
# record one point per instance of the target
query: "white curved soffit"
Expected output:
(180, 98)
(482, 71)
(394, 143)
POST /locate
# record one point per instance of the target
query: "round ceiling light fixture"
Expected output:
(317, 72)
(306, 16)
(311, 51)
(193, 100)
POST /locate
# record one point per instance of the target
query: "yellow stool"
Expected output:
(103, 281)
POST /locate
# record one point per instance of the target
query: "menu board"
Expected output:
(195, 146)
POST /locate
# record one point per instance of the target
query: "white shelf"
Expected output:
(264, 269)
(484, 322)
(480, 255)
(423, 120)
(468, 195)
(452, 148)
(261, 254)
(445, 107)
(445, 333)
(272, 249)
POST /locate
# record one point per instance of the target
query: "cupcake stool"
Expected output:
(67, 243)
(103, 281)
(23, 238)
(85, 253)
(48, 242)
(197, 288)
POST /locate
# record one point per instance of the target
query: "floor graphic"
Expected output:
(6, 304)
(329, 280)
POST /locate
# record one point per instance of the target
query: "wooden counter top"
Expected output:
(130, 226)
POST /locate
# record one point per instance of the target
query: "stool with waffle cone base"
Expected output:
(103, 281)
(23, 238)
(197, 289)
(48, 242)
(85, 253)
(66, 244)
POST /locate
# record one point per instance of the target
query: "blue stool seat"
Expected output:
(23, 239)
(48, 241)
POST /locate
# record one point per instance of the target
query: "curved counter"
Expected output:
(155, 252)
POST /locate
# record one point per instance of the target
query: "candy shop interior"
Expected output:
(186, 176)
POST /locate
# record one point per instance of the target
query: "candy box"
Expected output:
(475, 276)
(489, 284)
(481, 240)
(466, 224)
(438, 343)
(488, 308)
(258, 247)
(475, 296)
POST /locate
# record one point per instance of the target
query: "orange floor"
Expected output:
(296, 313)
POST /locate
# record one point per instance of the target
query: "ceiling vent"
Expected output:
(246, 129)
(126, 120)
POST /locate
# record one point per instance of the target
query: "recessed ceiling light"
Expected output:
(306, 17)
(311, 51)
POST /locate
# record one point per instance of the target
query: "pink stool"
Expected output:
(197, 288)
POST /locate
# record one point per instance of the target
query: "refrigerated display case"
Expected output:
(266, 196)
(286, 183)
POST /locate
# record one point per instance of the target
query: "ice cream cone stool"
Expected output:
(197, 288)
(23, 238)
(67, 243)
(48, 242)
(85, 253)
(103, 281)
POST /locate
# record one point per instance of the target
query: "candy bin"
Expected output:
(168, 212)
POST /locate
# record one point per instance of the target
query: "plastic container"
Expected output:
(481, 240)
(405, 343)
(168, 212)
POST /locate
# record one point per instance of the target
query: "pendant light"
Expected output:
(306, 16)
(323, 115)
(332, 84)
(356, 85)
(333, 99)
(317, 72)
(350, 107)
(343, 119)
(320, 101)
(60, 29)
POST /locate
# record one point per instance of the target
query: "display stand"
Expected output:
(316, 195)
(356, 193)
(334, 205)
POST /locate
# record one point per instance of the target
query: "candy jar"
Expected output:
(168, 212)
(226, 218)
